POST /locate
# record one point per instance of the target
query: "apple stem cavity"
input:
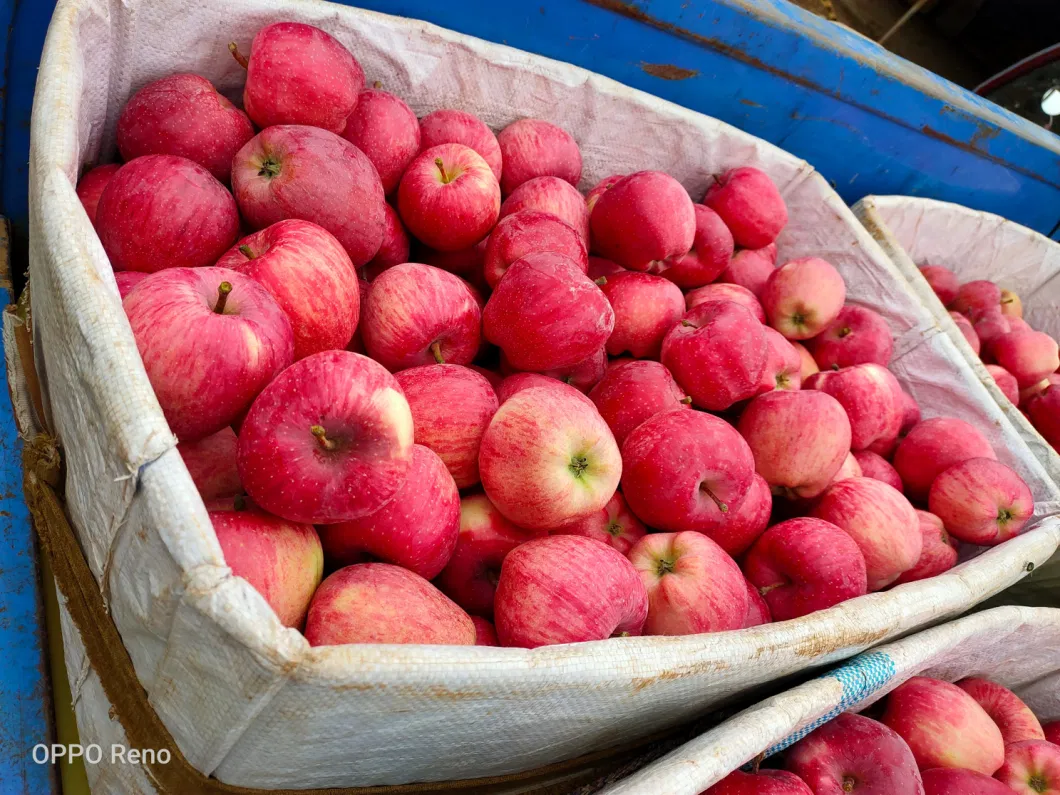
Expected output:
(322, 437)
(247, 252)
(240, 58)
(721, 505)
(446, 179)
(578, 465)
(436, 352)
(224, 289)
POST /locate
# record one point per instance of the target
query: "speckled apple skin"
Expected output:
(634, 392)
(938, 553)
(614, 524)
(764, 782)
(526, 232)
(460, 127)
(551, 195)
(725, 292)
(711, 252)
(803, 297)
(857, 336)
(970, 496)
(387, 131)
(871, 397)
(532, 148)
(646, 308)
(933, 446)
(211, 462)
(90, 187)
(750, 205)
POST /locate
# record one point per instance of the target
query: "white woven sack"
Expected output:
(249, 701)
(974, 245)
(1018, 647)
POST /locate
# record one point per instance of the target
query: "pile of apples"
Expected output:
(1024, 363)
(932, 737)
(575, 416)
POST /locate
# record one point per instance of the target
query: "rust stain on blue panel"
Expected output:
(668, 71)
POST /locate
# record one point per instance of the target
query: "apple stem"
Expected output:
(377, 85)
(441, 168)
(687, 400)
(767, 588)
(601, 281)
(687, 323)
(721, 506)
(240, 58)
(436, 352)
(322, 437)
(247, 252)
(224, 289)
(844, 331)
(756, 763)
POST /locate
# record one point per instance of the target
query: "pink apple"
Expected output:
(943, 281)
(932, 447)
(685, 470)
(1026, 395)
(600, 188)
(804, 565)
(646, 308)
(939, 552)
(852, 753)
(643, 218)
(964, 325)
(281, 560)
(977, 298)
(693, 586)
(857, 336)
(850, 468)
(990, 326)
(126, 280)
(613, 524)
(1016, 323)
(725, 292)
(809, 364)
(634, 392)
(567, 589)
(1011, 305)
(311, 277)
(598, 266)
(1029, 355)
(329, 440)
(160, 211)
(783, 366)
(387, 131)
(751, 268)
(764, 782)
(757, 609)
(210, 340)
(554, 196)
(313, 175)
(944, 726)
(486, 537)
(710, 254)
(90, 187)
(1014, 718)
(485, 634)
(910, 413)
(298, 74)
(495, 379)
(460, 127)
(876, 466)
(718, 353)
(357, 342)
(546, 314)
(381, 603)
(519, 382)
(954, 781)
(583, 375)
(803, 297)
(548, 459)
(749, 204)
(451, 408)
(745, 522)
(799, 440)
(1005, 381)
(416, 315)
(211, 462)
(527, 232)
(871, 397)
(1044, 412)
(417, 529)
(532, 148)
(981, 501)
(394, 250)
(184, 115)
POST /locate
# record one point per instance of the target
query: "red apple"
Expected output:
(943, 281)
(745, 522)
(711, 252)
(783, 366)
(600, 188)
(485, 634)
(298, 74)
(211, 462)
(1029, 355)
(126, 280)
(381, 603)
(910, 413)
(964, 325)
(90, 187)
(749, 204)
(932, 447)
(160, 211)
(764, 782)
(725, 292)
(989, 327)
(548, 459)
(314, 175)
(1006, 382)
(554, 196)
(751, 268)
(613, 524)
(1011, 305)
(527, 232)
(281, 560)
(809, 364)
(1014, 718)
(394, 249)
(646, 308)
(804, 565)
(643, 218)
(329, 440)
(850, 468)
(977, 298)
(757, 609)
(583, 375)
(357, 342)
(876, 466)
(954, 781)
(981, 501)
(466, 263)
(871, 397)
(857, 336)
(532, 148)
(460, 127)
(184, 115)
(799, 440)
(519, 382)
(939, 552)
(1017, 323)
(685, 470)
(567, 589)
(1032, 767)
(1052, 731)
(598, 266)
(387, 131)
(1044, 412)
(210, 341)
(803, 297)
(546, 314)
(1026, 395)
(944, 726)
(634, 392)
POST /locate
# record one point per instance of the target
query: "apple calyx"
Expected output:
(1004, 516)
(1038, 783)
(269, 168)
(436, 352)
(322, 437)
(224, 289)
(849, 783)
(613, 529)
(240, 58)
(247, 252)
(703, 487)
(578, 464)
(664, 566)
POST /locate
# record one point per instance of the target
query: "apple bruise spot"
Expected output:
(224, 289)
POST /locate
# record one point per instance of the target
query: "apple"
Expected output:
(749, 204)
(1029, 355)
(311, 174)
(932, 447)
(210, 341)
(387, 131)
(744, 522)
(870, 395)
(1052, 731)
(964, 325)
(857, 336)
(91, 185)
(981, 501)
(126, 280)
(527, 232)
(532, 148)
(763, 782)
(873, 465)
(1031, 767)
(852, 753)
(643, 218)
(850, 468)
(281, 560)
(357, 342)
(459, 127)
(718, 353)
(799, 440)
(1017, 323)
(751, 268)
(329, 440)
(418, 314)
(548, 459)
(634, 392)
(554, 196)
(1037, 389)
(989, 326)
(1044, 412)
(161, 211)
(184, 115)
(417, 529)
(394, 250)
(646, 308)
(1011, 305)
(485, 634)
(1014, 718)
(567, 589)
(466, 263)
(725, 292)
(600, 188)
(583, 375)
(783, 366)
(546, 314)
(710, 254)
(211, 462)
(1005, 381)
(485, 538)
(613, 524)
(598, 266)
(382, 603)
(692, 585)
(298, 74)
(939, 552)
(808, 363)
(977, 298)
(519, 382)
(943, 281)
(954, 781)
(685, 470)
(757, 609)
(495, 379)
(803, 297)
(944, 726)
(804, 565)
(910, 413)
